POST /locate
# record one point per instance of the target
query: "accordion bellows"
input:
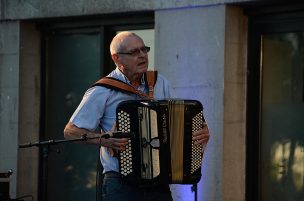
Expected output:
(162, 150)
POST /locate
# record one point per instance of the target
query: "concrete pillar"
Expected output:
(234, 143)
(29, 121)
(190, 52)
(202, 51)
(19, 104)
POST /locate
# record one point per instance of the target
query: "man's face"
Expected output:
(132, 60)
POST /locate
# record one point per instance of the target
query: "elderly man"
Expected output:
(98, 108)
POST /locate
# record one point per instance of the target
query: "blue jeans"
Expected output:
(114, 190)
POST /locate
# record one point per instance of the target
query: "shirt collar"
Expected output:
(124, 78)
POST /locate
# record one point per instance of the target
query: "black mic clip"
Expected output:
(120, 134)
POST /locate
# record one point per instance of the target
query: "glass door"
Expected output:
(282, 117)
(73, 64)
(275, 106)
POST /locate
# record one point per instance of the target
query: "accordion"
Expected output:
(162, 150)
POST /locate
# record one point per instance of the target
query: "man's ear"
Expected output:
(115, 57)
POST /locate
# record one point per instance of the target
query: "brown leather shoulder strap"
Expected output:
(151, 77)
(116, 84)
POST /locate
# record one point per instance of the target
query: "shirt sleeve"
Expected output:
(91, 109)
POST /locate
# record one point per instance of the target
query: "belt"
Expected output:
(112, 174)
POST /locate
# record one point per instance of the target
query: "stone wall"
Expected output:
(16, 9)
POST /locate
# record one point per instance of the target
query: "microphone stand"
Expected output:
(46, 149)
(194, 189)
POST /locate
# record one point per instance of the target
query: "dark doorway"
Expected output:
(275, 129)
(73, 63)
(76, 55)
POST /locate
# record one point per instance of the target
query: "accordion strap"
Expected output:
(150, 79)
(117, 84)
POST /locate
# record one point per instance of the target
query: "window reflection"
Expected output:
(288, 160)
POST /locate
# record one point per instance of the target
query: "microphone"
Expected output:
(120, 134)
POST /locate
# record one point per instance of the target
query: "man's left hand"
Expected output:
(202, 135)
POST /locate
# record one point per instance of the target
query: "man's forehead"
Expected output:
(132, 41)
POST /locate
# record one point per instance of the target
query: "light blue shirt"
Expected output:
(98, 108)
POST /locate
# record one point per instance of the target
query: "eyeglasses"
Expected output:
(136, 52)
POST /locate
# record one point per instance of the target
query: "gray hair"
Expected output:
(117, 43)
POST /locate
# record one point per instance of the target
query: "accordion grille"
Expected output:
(196, 151)
(125, 156)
